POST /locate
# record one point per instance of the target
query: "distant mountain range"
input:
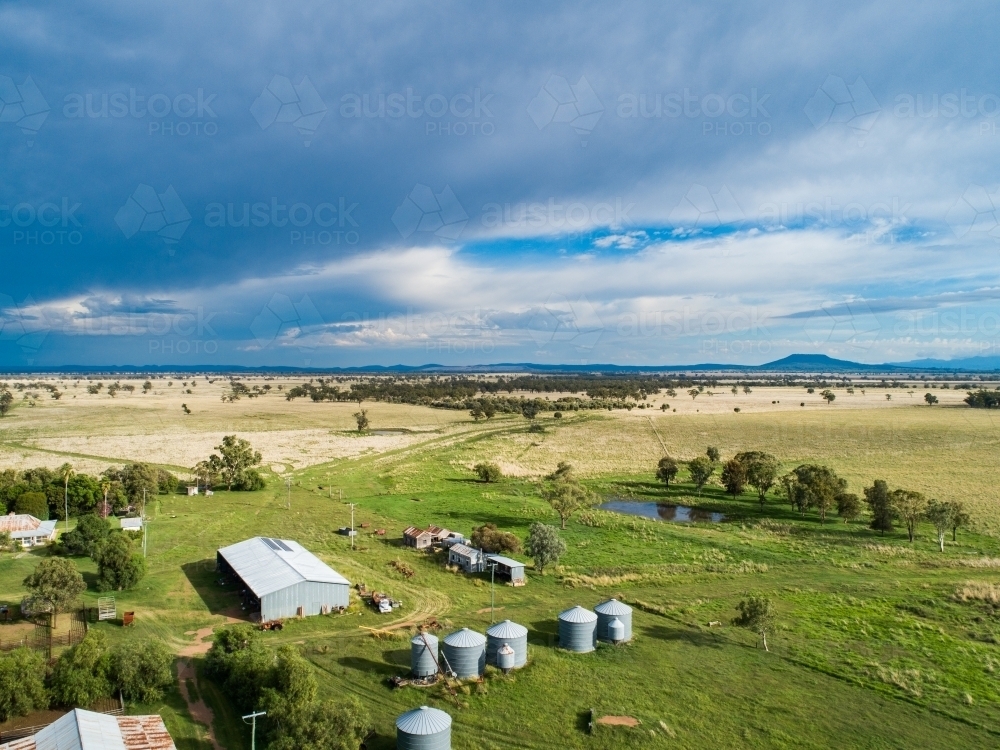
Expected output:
(795, 363)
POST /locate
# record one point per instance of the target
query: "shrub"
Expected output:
(141, 670)
(249, 481)
(22, 683)
(488, 472)
(80, 677)
(490, 539)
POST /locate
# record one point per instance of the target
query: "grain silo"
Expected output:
(465, 652)
(514, 635)
(424, 655)
(577, 629)
(423, 728)
(611, 610)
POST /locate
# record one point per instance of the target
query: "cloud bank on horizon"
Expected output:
(325, 185)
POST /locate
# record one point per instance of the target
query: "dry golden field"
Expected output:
(945, 451)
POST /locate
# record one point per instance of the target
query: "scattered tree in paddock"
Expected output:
(701, 470)
(567, 497)
(120, 566)
(361, 417)
(756, 615)
(930, 398)
(713, 454)
(761, 470)
(880, 503)
(544, 545)
(734, 477)
(910, 507)
(848, 506)
(666, 470)
(942, 516)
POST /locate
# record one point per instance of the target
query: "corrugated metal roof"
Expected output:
(87, 730)
(507, 629)
(19, 522)
(131, 523)
(465, 551)
(613, 607)
(44, 528)
(266, 568)
(424, 720)
(577, 614)
(424, 638)
(465, 638)
(505, 561)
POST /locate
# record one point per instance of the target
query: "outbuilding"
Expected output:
(88, 730)
(507, 570)
(281, 578)
(417, 538)
(469, 559)
(131, 524)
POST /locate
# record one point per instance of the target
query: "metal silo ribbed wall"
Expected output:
(438, 741)
(577, 636)
(520, 646)
(466, 661)
(423, 660)
(603, 621)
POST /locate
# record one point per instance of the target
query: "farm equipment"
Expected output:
(272, 625)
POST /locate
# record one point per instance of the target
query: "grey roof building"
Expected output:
(507, 569)
(423, 728)
(469, 559)
(281, 578)
(87, 730)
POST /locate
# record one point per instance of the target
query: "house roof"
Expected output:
(87, 730)
(414, 531)
(14, 522)
(44, 528)
(438, 530)
(267, 565)
(464, 550)
(510, 563)
(131, 523)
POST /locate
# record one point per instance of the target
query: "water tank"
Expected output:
(506, 659)
(424, 654)
(423, 728)
(465, 651)
(514, 635)
(577, 629)
(610, 610)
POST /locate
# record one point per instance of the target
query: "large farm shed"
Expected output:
(282, 578)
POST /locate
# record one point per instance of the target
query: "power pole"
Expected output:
(253, 731)
(352, 525)
(288, 486)
(142, 519)
(493, 571)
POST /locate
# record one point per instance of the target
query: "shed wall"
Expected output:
(309, 595)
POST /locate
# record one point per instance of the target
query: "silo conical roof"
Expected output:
(465, 638)
(613, 607)
(577, 614)
(507, 629)
(424, 720)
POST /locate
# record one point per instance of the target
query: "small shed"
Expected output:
(507, 570)
(417, 538)
(192, 490)
(281, 578)
(131, 524)
(469, 559)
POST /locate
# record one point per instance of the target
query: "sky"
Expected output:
(319, 184)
